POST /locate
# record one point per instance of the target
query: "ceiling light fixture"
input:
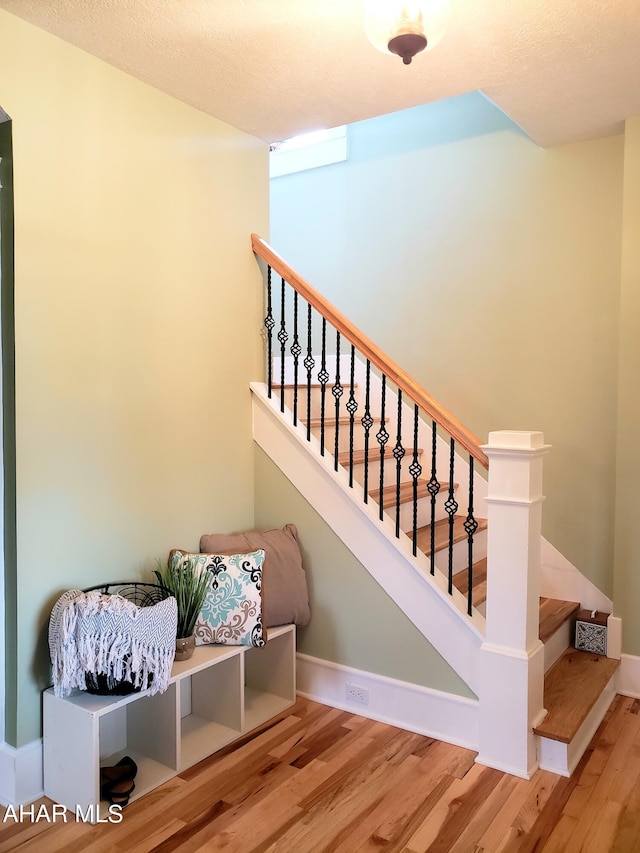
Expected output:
(406, 28)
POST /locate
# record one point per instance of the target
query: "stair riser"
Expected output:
(316, 403)
(424, 512)
(558, 643)
(390, 469)
(344, 428)
(461, 553)
(344, 438)
(344, 435)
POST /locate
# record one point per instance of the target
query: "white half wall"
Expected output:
(561, 579)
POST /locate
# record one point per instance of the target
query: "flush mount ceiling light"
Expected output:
(406, 28)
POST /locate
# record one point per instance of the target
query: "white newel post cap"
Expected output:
(513, 439)
(515, 472)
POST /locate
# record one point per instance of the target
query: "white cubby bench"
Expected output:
(213, 698)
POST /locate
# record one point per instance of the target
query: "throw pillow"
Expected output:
(286, 596)
(232, 610)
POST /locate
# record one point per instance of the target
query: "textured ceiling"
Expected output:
(564, 70)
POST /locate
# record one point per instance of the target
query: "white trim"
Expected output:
(21, 776)
(308, 151)
(517, 654)
(443, 716)
(628, 676)
(614, 637)
(511, 769)
(496, 499)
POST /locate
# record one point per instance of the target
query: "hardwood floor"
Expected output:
(319, 779)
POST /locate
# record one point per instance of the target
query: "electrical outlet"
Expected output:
(357, 694)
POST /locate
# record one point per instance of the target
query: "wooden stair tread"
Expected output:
(406, 492)
(571, 688)
(343, 420)
(302, 385)
(553, 612)
(479, 588)
(442, 533)
(374, 456)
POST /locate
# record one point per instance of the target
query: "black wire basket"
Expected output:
(142, 594)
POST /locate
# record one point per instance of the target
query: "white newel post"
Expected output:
(512, 656)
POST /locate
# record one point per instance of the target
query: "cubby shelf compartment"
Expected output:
(213, 698)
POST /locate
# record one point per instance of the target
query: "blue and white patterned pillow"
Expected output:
(232, 610)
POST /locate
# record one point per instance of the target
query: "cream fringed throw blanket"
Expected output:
(109, 635)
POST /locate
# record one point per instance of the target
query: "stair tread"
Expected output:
(302, 385)
(406, 492)
(553, 612)
(374, 456)
(571, 688)
(330, 419)
(479, 588)
(442, 533)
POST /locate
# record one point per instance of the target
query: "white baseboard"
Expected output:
(21, 777)
(628, 676)
(444, 716)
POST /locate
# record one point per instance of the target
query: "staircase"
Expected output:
(405, 479)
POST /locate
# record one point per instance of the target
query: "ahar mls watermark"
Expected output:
(61, 814)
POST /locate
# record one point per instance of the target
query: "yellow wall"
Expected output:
(627, 550)
(138, 306)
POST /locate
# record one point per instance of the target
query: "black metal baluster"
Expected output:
(451, 507)
(337, 392)
(352, 408)
(383, 437)
(470, 526)
(283, 337)
(367, 423)
(323, 377)
(433, 487)
(398, 452)
(309, 364)
(269, 323)
(415, 469)
(296, 349)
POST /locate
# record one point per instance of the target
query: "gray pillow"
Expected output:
(284, 584)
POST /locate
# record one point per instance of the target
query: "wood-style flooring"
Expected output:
(319, 779)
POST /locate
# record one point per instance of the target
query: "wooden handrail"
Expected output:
(376, 356)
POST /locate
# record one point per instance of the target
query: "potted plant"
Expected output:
(181, 579)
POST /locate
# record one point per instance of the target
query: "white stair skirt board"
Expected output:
(441, 618)
(563, 758)
(561, 579)
(443, 716)
(21, 779)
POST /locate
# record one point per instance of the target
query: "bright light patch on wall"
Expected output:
(308, 151)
